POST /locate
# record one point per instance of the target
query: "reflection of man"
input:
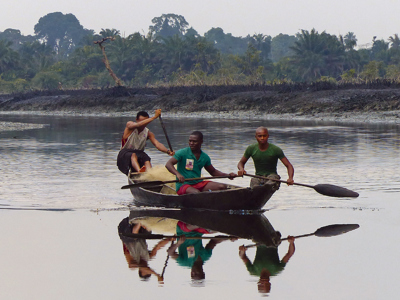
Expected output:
(191, 252)
(266, 263)
(136, 251)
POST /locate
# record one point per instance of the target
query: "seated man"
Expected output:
(132, 155)
(190, 162)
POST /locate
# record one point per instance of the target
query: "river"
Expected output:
(61, 203)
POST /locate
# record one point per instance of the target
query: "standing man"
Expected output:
(189, 162)
(265, 157)
(132, 155)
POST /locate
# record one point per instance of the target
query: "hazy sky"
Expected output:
(365, 18)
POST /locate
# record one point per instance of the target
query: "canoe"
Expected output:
(254, 227)
(233, 198)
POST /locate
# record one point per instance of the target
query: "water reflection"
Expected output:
(192, 236)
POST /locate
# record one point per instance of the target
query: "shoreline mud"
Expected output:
(342, 106)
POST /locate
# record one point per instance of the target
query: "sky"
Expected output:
(367, 18)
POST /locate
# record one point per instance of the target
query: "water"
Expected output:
(61, 204)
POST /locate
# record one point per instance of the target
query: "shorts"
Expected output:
(200, 185)
(124, 159)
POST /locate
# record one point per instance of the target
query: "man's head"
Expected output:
(141, 116)
(195, 140)
(262, 135)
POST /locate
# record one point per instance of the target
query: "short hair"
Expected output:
(143, 114)
(198, 134)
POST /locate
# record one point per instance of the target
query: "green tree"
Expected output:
(9, 60)
(350, 41)
(372, 70)
(168, 25)
(317, 55)
(35, 57)
(15, 36)
(61, 32)
(281, 46)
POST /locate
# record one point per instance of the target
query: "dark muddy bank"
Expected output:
(305, 100)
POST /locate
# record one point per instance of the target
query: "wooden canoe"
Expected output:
(233, 198)
(254, 227)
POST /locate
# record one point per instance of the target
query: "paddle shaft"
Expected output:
(273, 179)
(151, 183)
(324, 189)
(165, 132)
(148, 236)
(284, 239)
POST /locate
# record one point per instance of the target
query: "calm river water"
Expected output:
(61, 203)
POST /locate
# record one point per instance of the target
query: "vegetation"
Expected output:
(63, 54)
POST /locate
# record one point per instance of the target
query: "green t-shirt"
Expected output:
(191, 249)
(266, 258)
(189, 166)
(266, 161)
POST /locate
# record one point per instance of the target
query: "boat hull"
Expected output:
(236, 198)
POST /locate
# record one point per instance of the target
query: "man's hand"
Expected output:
(157, 113)
(290, 181)
(241, 173)
(170, 153)
(180, 178)
(232, 175)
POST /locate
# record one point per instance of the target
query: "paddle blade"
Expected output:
(142, 184)
(336, 229)
(334, 191)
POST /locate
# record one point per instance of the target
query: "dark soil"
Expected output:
(307, 101)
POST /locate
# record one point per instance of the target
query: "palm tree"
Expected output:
(317, 55)
(350, 41)
(395, 41)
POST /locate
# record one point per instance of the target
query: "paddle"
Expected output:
(150, 236)
(324, 189)
(165, 132)
(159, 182)
(326, 231)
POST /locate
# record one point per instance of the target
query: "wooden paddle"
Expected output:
(165, 132)
(326, 231)
(159, 182)
(324, 189)
(150, 236)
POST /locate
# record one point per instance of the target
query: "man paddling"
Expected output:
(132, 155)
(190, 162)
(265, 157)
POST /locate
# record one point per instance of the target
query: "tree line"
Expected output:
(64, 54)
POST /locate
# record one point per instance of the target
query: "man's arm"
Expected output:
(158, 145)
(130, 126)
(290, 170)
(214, 172)
(291, 249)
(241, 165)
(170, 167)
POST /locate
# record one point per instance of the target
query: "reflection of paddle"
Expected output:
(326, 231)
(324, 189)
(150, 236)
(159, 182)
(165, 132)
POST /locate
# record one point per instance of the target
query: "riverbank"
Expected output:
(344, 105)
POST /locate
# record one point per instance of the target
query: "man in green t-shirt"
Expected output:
(190, 162)
(265, 157)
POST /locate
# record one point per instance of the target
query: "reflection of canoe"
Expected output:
(254, 227)
(234, 198)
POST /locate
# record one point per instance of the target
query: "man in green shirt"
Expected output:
(265, 157)
(190, 162)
